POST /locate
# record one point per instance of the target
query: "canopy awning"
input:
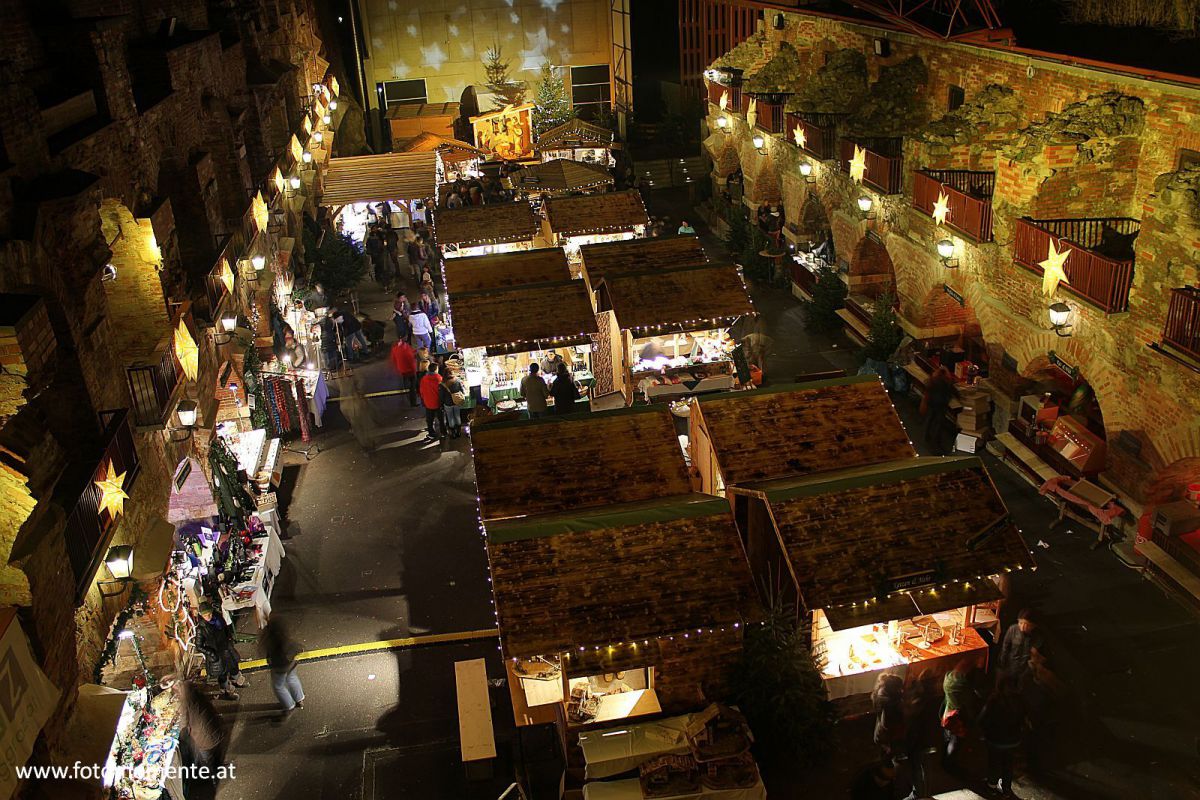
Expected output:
(388, 176)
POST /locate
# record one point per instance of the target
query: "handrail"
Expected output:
(820, 132)
(1182, 328)
(884, 162)
(968, 196)
(1103, 280)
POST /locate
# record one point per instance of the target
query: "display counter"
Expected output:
(255, 590)
(631, 789)
(608, 753)
(682, 363)
(498, 378)
(144, 761)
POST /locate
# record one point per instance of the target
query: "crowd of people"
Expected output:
(1008, 714)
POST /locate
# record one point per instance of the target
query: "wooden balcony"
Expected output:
(1182, 330)
(1099, 267)
(715, 90)
(770, 116)
(820, 132)
(884, 160)
(89, 529)
(153, 381)
(968, 193)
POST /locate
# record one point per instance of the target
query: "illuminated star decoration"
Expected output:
(1053, 269)
(226, 276)
(858, 164)
(258, 209)
(752, 112)
(186, 351)
(112, 495)
(724, 100)
(941, 208)
(801, 139)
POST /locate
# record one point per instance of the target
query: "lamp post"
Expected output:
(806, 172)
(1060, 319)
(759, 144)
(865, 204)
(945, 249)
(119, 562)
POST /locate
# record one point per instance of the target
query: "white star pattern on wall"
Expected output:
(514, 18)
(452, 29)
(433, 56)
(400, 69)
(411, 30)
(393, 5)
(551, 5)
(537, 49)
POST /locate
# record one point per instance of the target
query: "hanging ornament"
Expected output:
(941, 208)
(1054, 269)
(258, 208)
(752, 112)
(186, 351)
(858, 164)
(724, 100)
(112, 492)
(800, 137)
(226, 275)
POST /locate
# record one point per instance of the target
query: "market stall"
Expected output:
(485, 230)
(559, 177)
(578, 140)
(406, 120)
(354, 187)
(505, 270)
(572, 222)
(460, 160)
(501, 331)
(789, 430)
(674, 327)
(890, 580)
(609, 259)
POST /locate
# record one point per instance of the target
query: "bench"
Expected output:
(477, 739)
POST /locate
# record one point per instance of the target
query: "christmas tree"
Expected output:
(552, 107)
(498, 80)
(885, 333)
(820, 314)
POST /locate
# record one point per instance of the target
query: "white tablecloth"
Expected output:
(632, 747)
(266, 567)
(632, 790)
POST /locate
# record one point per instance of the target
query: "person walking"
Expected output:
(958, 713)
(1019, 640)
(282, 651)
(214, 639)
(887, 701)
(201, 732)
(422, 329)
(453, 396)
(431, 400)
(564, 391)
(428, 302)
(400, 312)
(935, 405)
(404, 361)
(535, 391)
(1001, 721)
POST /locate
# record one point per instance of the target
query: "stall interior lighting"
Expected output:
(294, 182)
(259, 263)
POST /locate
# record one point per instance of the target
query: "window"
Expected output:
(957, 96)
(590, 90)
(392, 93)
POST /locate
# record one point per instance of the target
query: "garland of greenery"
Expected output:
(252, 375)
(232, 499)
(108, 656)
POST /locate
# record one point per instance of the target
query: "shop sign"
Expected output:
(958, 298)
(1071, 370)
(27, 699)
(913, 580)
(182, 473)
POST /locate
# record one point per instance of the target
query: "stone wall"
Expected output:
(1063, 142)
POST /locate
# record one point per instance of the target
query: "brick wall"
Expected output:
(1065, 142)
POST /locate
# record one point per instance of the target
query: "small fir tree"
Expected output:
(552, 106)
(754, 264)
(781, 692)
(885, 334)
(337, 264)
(499, 81)
(829, 295)
(738, 237)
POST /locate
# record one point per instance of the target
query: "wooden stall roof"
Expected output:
(502, 270)
(494, 223)
(575, 133)
(687, 298)
(681, 571)
(610, 212)
(560, 174)
(607, 259)
(521, 318)
(867, 532)
(577, 461)
(802, 428)
(387, 176)
(452, 150)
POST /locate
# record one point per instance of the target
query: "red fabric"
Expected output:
(430, 396)
(404, 358)
(1057, 486)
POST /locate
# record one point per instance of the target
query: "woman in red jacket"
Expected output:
(404, 361)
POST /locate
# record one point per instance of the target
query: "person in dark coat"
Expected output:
(564, 391)
(282, 651)
(201, 732)
(214, 639)
(939, 391)
(1019, 640)
(887, 701)
(876, 782)
(1001, 721)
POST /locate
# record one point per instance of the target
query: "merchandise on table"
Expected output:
(498, 378)
(145, 745)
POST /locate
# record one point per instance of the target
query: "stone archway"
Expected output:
(872, 273)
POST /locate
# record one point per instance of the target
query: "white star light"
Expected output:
(452, 29)
(411, 30)
(393, 5)
(514, 18)
(565, 28)
(551, 5)
(537, 48)
(467, 50)
(377, 43)
(400, 69)
(433, 56)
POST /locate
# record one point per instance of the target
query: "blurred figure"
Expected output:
(201, 732)
(282, 651)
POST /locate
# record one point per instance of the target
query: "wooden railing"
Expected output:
(884, 161)
(820, 132)
(1182, 330)
(743, 102)
(88, 529)
(153, 381)
(770, 116)
(1099, 279)
(968, 194)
